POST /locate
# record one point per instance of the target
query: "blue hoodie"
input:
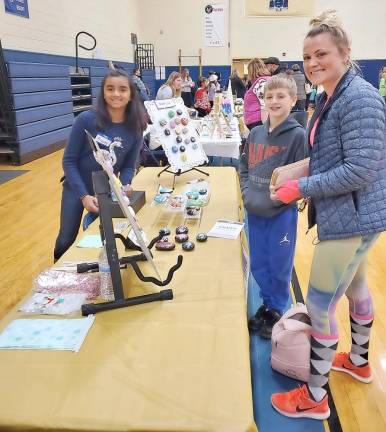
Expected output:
(265, 151)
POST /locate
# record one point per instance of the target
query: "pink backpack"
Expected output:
(291, 343)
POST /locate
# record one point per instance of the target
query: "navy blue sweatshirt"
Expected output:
(121, 144)
(265, 151)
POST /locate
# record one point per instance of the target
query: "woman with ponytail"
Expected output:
(346, 188)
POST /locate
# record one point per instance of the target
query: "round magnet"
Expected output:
(188, 246)
(201, 237)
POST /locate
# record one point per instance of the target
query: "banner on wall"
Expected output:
(274, 8)
(17, 7)
(214, 24)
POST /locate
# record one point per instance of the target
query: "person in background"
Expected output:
(272, 228)
(347, 195)
(246, 81)
(382, 83)
(300, 80)
(213, 88)
(273, 66)
(238, 87)
(171, 88)
(140, 86)
(254, 106)
(201, 103)
(308, 91)
(117, 124)
(186, 88)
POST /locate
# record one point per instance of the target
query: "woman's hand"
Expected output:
(286, 192)
(128, 190)
(90, 203)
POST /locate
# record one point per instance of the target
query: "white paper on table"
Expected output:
(226, 229)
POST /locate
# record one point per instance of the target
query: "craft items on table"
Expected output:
(197, 193)
(177, 133)
(201, 237)
(181, 238)
(54, 282)
(182, 229)
(165, 231)
(193, 212)
(53, 304)
(175, 203)
(188, 246)
(165, 245)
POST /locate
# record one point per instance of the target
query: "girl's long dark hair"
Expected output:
(135, 114)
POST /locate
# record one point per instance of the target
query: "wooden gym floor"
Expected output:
(29, 218)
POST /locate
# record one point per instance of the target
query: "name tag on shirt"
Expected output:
(103, 140)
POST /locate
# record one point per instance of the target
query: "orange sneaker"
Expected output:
(298, 403)
(342, 363)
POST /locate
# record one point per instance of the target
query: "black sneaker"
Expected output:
(271, 317)
(257, 320)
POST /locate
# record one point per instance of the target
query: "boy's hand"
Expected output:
(286, 192)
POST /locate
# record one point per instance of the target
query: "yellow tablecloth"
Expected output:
(180, 365)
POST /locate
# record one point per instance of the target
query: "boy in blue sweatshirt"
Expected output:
(272, 225)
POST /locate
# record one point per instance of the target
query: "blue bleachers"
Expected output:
(43, 126)
(42, 102)
(29, 85)
(28, 100)
(45, 99)
(35, 114)
(36, 70)
(40, 142)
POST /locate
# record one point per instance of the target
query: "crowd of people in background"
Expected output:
(201, 94)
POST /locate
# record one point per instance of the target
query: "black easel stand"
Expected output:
(102, 191)
(179, 172)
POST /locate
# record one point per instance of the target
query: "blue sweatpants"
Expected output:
(272, 248)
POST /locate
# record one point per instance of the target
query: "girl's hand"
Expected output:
(128, 190)
(90, 203)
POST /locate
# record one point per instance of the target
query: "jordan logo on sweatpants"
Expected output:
(285, 239)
